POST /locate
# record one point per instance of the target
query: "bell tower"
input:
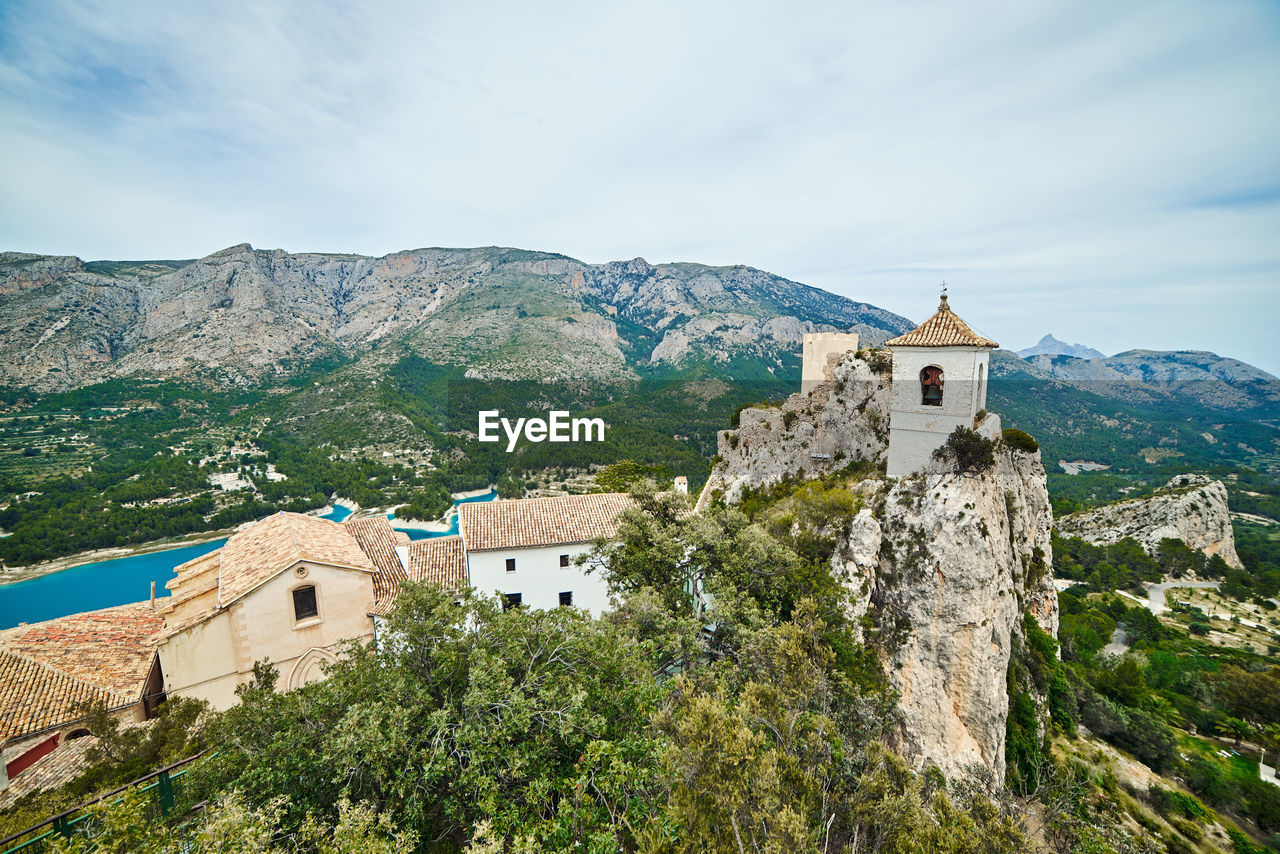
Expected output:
(939, 383)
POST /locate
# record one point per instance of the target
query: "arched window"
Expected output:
(931, 386)
(982, 386)
(305, 604)
(78, 733)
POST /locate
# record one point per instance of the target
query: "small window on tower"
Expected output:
(304, 603)
(564, 560)
(931, 386)
(566, 599)
(511, 564)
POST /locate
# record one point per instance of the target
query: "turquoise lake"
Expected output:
(105, 583)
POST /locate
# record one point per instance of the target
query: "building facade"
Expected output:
(527, 551)
(940, 372)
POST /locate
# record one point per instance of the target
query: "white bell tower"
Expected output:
(939, 383)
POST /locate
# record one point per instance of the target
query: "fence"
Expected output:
(163, 789)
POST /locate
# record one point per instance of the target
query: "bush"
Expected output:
(969, 452)
(1019, 441)
(1199, 628)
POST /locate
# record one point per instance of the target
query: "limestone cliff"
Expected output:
(945, 564)
(1191, 508)
(961, 558)
(843, 420)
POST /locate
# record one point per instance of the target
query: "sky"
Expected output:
(1108, 172)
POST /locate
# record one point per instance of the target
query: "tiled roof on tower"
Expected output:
(944, 329)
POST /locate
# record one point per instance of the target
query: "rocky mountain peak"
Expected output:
(1048, 345)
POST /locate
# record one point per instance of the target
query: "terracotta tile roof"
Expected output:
(944, 329)
(532, 522)
(60, 767)
(440, 560)
(259, 553)
(378, 540)
(47, 668)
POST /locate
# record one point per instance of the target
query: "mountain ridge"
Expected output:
(243, 315)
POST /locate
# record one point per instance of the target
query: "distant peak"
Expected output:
(1050, 346)
(238, 249)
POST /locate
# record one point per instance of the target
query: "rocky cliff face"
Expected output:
(838, 422)
(1191, 508)
(945, 564)
(244, 315)
(961, 558)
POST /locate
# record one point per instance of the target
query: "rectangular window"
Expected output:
(304, 603)
(511, 600)
(511, 564)
(564, 560)
(566, 599)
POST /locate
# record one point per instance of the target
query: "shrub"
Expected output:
(969, 452)
(1199, 628)
(788, 418)
(1019, 441)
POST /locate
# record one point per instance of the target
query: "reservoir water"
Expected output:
(105, 583)
(420, 534)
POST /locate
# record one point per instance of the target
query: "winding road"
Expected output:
(1155, 593)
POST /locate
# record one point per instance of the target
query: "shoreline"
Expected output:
(14, 574)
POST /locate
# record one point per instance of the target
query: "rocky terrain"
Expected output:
(837, 422)
(1191, 508)
(244, 315)
(945, 564)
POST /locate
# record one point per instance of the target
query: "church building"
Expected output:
(940, 373)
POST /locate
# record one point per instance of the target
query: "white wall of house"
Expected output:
(538, 577)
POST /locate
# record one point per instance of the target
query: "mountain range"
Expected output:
(245, 316)
(384, 337)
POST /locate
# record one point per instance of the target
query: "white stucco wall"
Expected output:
(915, 429)
(538, 577)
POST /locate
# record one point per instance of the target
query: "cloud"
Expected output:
(1106, 172)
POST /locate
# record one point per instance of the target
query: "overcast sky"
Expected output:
(1106, 171)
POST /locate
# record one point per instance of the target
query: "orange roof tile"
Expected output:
(377, 539)
(261, 552)
(47, 668)
(60, 767)
(439, 560)
(533, 522)
(944, 329)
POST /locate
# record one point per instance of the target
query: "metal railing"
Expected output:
(163, 789)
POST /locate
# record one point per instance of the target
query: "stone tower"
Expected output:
(817, 347)
(939, 383)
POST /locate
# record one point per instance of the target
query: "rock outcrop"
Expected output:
(1191, 508)
(838, 422)
(961, 559)
(945, 564)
